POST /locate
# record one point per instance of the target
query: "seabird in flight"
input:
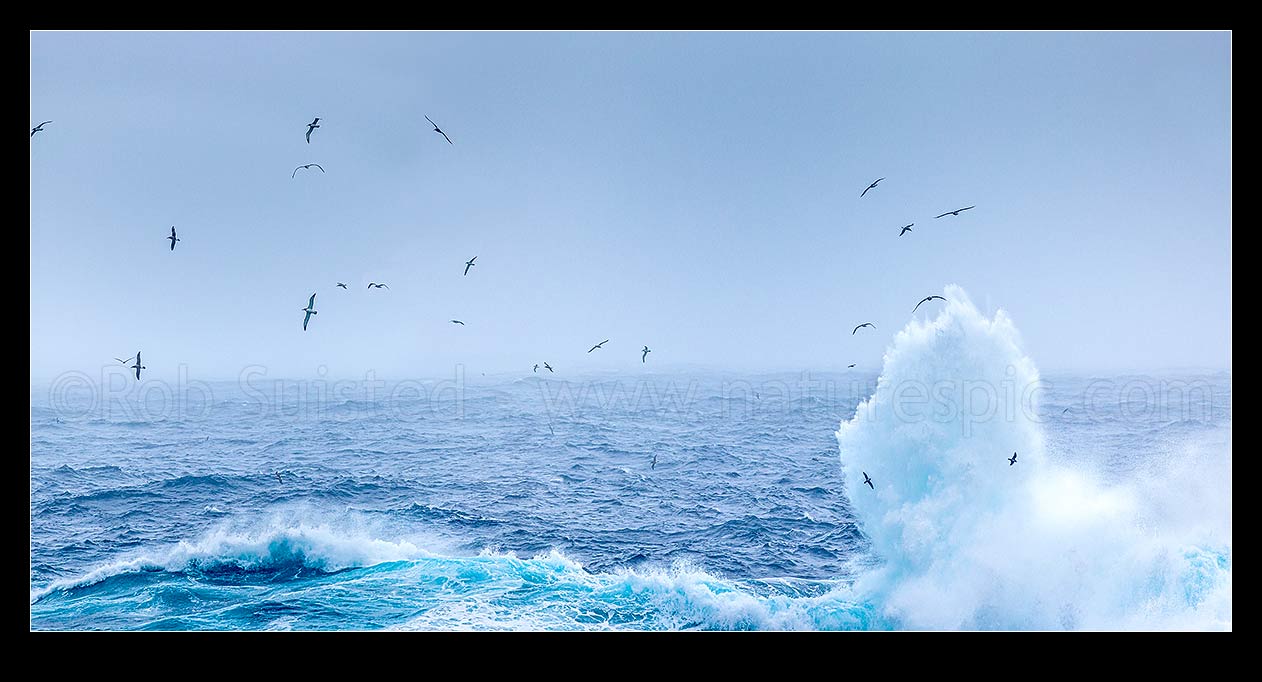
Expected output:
(374, 285)
(124, 361)
(291, 175)
(312, 126)
(548, 367)
(867, 480)
(39, 128)
(436, 129)
(645, 353)
(654, 462)
(871, 186)
(278, 478)
(458, 322)
(925, 300)
(468, 264)
(173, 238)
(598, 345)
(138, 366)
(849, 366)
(309, 310)
(865, 324)
(535, 368)
(341, 285)
(1012, 460)
(955, 212)
(906, 229)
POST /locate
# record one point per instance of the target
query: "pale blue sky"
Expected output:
(696, 192)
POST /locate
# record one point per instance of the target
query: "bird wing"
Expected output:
(431, 122)
(318, 166)
(445, 137)
(305, 320)
(968, 207)
(466, 268)
(291, 175)
(921, 301)
(311, 301)
(939, 216)
(309, 129)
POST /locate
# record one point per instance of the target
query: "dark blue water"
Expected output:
(510, 502)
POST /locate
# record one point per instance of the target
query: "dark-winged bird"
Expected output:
(865, 324)
(458, 322)
(645, 352)
(926, 299)
(138, 366)
(867, 480)
(312, 126)
(341, 285)
(547, 367)
(39, 128)
(535, 368)
(906, 229)
(871, 186)
(309, 310)
(437, 130)
(468, 264)
(278, 478)
(123, 361)
(598, 345)
(955, 212)
(374, 285)
(1012, 460)
(173, 238)
(654, 464)
(849, 366)
(291, 175)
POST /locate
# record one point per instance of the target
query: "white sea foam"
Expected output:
(969, 541)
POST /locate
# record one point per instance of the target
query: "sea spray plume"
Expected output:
(965, 542)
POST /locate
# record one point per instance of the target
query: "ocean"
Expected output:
(687, 500)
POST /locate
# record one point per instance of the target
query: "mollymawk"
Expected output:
(138, 366)
(291, 175)
(926, 299)
(955, 212)
(309, 310)
(871, 186)
(437, 130)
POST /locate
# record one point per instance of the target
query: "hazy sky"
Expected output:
(696, 192)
